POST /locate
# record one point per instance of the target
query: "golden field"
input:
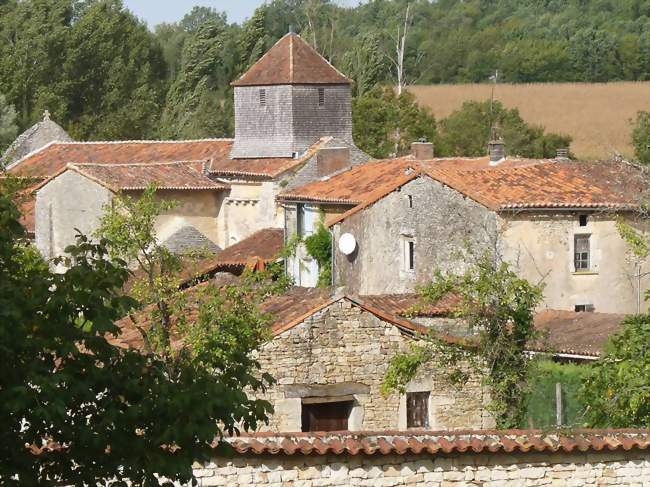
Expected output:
(597, 115)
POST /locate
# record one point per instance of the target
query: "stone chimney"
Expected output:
(497, 151)
(422, 150)
(332, 159)
(562, 153)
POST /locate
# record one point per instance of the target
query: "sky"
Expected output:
(156, 11)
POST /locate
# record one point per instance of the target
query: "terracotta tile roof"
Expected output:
(167, 175)
(411, 304)
(547, 185)
(54, 157)
(573, 333)
(212, 155)
(421, 442)
(362, 183)
(264, 245)
(291, 61)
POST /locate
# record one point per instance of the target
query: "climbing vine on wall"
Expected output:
(319, 247)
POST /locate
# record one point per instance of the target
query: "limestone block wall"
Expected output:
(456, 470)
(345, 350)
(439, 220)
(541, 246)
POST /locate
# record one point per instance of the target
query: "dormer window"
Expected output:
(262, 97)
(321, 97)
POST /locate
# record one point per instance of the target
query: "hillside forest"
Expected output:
(103, 74)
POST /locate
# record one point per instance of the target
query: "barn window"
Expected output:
(583, 220)
(417, 409)
(262, 97)
(326, 416)
(581, 255)
(321, 97)
(408, 254)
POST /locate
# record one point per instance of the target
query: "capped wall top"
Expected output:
(291, 61)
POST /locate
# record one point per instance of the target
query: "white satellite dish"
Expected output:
(347, 243)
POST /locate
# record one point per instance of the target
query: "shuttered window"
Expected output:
(417, 409)
(329, 416)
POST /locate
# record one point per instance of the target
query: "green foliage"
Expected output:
(540, 405)
(319, 247)
(641, 137)
(499, 308)
(617, 390)
(385, 123)
(109, 411)
(466, 132)
(8, 127)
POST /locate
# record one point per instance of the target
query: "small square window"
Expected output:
(417, 409)
(262, 97)
(321, 97)
(583, 220)
(581, 253)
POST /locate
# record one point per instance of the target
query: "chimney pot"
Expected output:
(497, 151)
(422, 150)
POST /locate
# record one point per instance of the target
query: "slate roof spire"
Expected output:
(292, 61)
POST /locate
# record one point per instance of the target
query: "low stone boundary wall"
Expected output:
(427, 459)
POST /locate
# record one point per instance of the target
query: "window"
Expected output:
(417, 409)
(300, 219)
(584, 308)
(262, 97)
(410, 200)
(408, 254)
(581, 253)
(583, 220)
(328, 416)
(321, 97)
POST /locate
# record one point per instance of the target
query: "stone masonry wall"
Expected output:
(441, 222)
(345, 351)
(469, 469)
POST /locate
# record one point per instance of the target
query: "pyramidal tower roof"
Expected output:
(291, 61)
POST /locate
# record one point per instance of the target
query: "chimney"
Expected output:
(422, 150)
(497, 151)
(332, 159)
(563, 153)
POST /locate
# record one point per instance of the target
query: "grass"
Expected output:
(597, 115)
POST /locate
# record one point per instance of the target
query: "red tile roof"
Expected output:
(167, 175)
(567, 332)
(412, 304)
(422, 442)
(214, 154)
(291, 61)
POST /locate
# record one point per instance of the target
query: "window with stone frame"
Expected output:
(326, 416)
(417, 409)
(582, 253)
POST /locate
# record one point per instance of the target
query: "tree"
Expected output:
(377, 116)
(198, 102)
(255, 40)
(8, 128)
(641, 137)
(467, 131)
(499, 308)
(364, 63)
(77, 410)
(617, 389)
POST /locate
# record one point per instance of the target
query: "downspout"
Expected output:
(333, 257)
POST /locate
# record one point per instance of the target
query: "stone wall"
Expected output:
(540, 246)
(455, 470)
(440, 222)
(344, 350)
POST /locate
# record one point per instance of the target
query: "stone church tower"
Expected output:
(288, 100)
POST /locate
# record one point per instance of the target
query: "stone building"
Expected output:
(553, 220)
(293, 125)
